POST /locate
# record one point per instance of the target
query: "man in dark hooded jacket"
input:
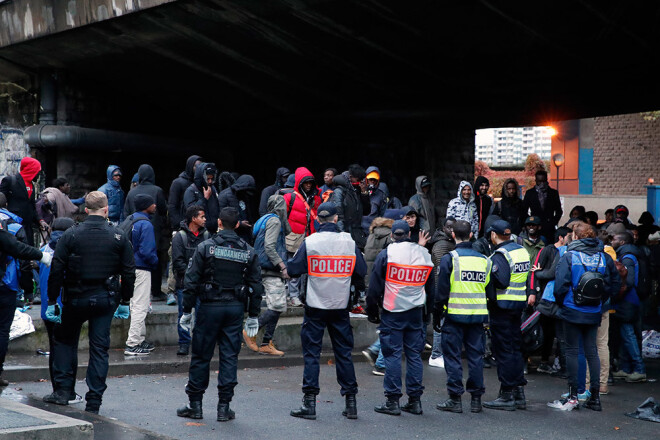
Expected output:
(114, 193)
(510, 207)
(177, 190)
(377, 197)
(280, 179)
(422, 203)
(202, 193)
(239, 196)
(349, 209)
(483, 201)
(147, 185)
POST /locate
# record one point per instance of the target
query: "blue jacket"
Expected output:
(297, 265)
(144, 243)
(629, 255)
(443, 284)
(115, 196)
(549, 291)
(44, 272)
(586, 251)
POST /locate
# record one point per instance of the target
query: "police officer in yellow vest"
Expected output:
(331, 259)
(399, 283)
(463, 279)
(510, 270)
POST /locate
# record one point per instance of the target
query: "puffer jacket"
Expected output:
(349, 210)
(300, 217)
(379, 238)
(175, 205)
(462, 210)
(115, 195)
(194, 195)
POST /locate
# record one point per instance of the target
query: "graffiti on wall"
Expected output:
(12, 149)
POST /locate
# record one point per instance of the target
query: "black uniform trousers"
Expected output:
(455, 335)
(507, 339)
(97, 307)
(221, 323)
(341, 335)
(402, 332)
(7, 309)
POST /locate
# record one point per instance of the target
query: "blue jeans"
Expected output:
(629, 355)
(375, 348)
(437, 344)
(184, 336)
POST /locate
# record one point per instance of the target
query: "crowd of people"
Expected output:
(472, 270)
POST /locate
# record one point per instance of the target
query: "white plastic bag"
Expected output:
(21, 325)
(650, 344)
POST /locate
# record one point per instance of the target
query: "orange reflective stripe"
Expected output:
(407, 275)
(330, 265)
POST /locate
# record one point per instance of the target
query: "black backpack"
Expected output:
(590, 289)
(127, 226)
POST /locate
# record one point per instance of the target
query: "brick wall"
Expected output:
(626, 154)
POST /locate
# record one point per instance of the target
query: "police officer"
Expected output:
(87, 262)
(224, 274)
(331, 259)
(399, 284)
(463, 279)
(510, 271)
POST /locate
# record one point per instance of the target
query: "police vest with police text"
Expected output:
(467, 292)
(408, 268)
(514, 296)
(330, 264)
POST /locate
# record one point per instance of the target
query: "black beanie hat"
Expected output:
(143, 201)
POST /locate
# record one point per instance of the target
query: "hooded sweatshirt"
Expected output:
(115, 195)
(237, 196)
(511, 208)
(302, 213)
(20, 194)
(462, 210)
(277, 227)
(146, 185)
(64, 207)
(178, 188)
(30, 167)
(483, 203)
(349, 209)
(272, 189)
(423, 204)
(194, 195)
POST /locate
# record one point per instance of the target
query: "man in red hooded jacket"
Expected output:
(301, 205)
(20, 192)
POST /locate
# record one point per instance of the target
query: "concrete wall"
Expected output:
(12, 150)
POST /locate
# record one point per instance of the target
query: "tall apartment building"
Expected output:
(511, 145)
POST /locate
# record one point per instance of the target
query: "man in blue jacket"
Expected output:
(112, 190)
(146, 260)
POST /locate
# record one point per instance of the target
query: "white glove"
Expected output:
(186, 321)
(251, 327)
(46, 258)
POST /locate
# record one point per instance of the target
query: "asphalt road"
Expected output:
(264, 398)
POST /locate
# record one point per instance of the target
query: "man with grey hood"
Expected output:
(422, 202)
(269, 233)
(463, 207)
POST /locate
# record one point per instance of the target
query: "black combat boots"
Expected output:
(453, 404)
(390, 407)
(594, 400)
(504, 401)
(350, 412)
(414, 406)
(308, 408)
(193, 410)
(224, 412)
(475, 404)
(519, 397)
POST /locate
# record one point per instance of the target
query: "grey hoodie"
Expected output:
(423, 204)
(274, 227)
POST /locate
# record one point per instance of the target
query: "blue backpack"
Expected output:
(11, 277)
(259, 232)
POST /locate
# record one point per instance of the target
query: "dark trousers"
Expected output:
(454, 336)
(572, 334)
(50, 329)
(402, 332)
(222, 324)
(97, 308)
(549, 325)
(7, 309)
(341, 335)
(268, 320)
(507, 338)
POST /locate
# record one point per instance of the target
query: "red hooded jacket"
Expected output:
(300, 221)
(29, 169)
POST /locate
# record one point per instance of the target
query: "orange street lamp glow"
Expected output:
(552, 131)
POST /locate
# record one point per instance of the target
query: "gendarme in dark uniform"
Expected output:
(224, 274)
(87, 260)
(331, 259)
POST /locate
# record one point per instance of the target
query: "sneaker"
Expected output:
(294, 302)
(582, 397)
(270, 349)
(636, 377)
(358, 310)
(171, 299)
(378, 371)
(565, 404)
(620, 374)
(75, 399)
(544, 368)
(147, 345)
(56, 398)
(604, 390)
(438, 362)
(370, 356)
(136, 350)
